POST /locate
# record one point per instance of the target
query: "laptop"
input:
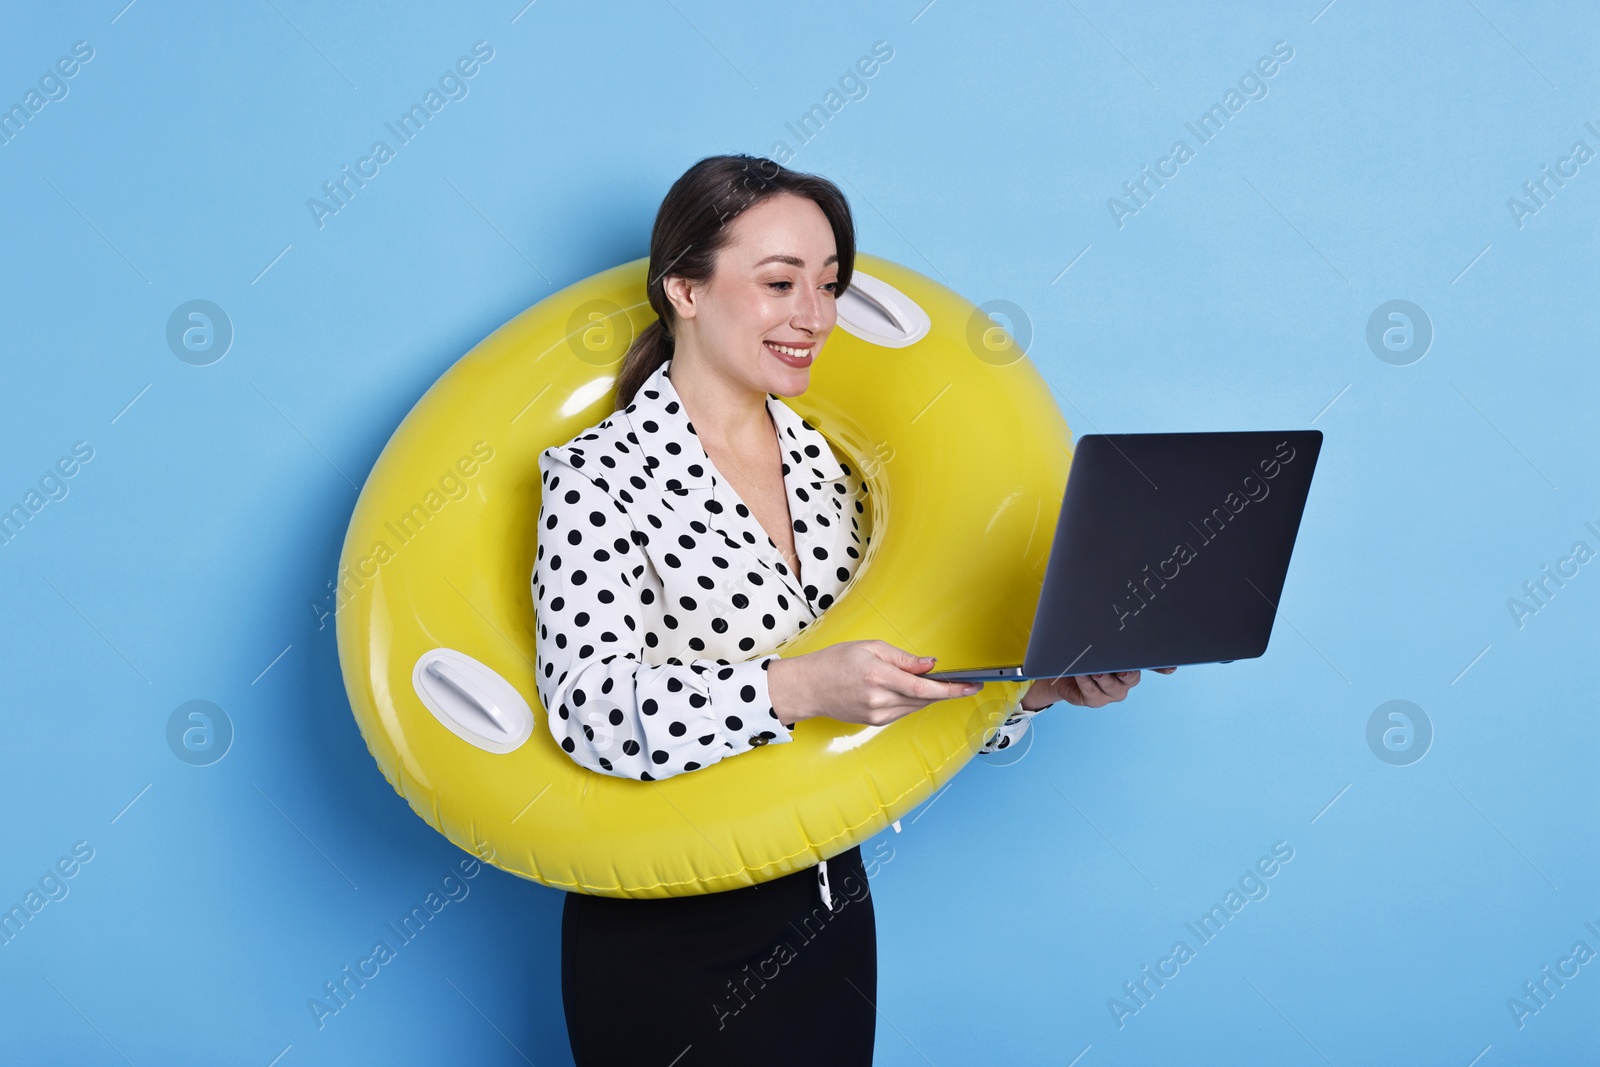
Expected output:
(1171, 549)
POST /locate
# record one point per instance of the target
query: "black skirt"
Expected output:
(761, 974)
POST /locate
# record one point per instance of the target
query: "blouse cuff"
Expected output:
(742, 705)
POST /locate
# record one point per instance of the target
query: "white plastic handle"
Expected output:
(877, 312)
(880, 306)
(466, 691)
(472, 701)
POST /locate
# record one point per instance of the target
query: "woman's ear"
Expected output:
(681, 294)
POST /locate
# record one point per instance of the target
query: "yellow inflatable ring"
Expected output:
(965, 454)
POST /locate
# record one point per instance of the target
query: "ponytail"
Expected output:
(649, 350)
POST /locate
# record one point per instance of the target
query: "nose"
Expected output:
(809, 314)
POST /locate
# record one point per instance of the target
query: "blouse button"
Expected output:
(758, 740)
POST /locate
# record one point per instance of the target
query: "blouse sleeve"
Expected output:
(608, 708)
(1012, 729)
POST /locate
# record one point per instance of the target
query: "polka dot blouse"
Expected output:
(658, 594)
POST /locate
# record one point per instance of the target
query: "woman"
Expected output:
(697, 527)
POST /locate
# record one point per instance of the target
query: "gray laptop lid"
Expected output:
(1171, 548)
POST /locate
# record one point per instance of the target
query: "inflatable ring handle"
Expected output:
(465, 689)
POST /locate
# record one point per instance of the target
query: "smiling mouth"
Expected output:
(793, 355)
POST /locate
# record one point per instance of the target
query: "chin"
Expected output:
(788, 381)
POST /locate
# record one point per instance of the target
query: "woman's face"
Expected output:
(762, 317)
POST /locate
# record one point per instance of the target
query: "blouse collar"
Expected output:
(657, 416)
(808, 458)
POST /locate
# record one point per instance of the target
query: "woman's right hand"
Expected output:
(867, 682)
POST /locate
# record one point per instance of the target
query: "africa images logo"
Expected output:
(1252, 489)
(339, 191)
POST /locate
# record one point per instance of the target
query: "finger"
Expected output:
(1081, 691)
(906, 661)
(912, 688)
(1091, 684)
(1166, 670)
(1113, 686)
(1121, 683)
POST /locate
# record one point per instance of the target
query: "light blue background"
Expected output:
(196, 546)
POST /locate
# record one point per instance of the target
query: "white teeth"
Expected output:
(786, 350)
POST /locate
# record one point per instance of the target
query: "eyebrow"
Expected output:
(795, 261)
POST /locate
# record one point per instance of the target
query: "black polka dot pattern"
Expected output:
(1014, 726)
(658, 595)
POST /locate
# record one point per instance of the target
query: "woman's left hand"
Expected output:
(1085, 690)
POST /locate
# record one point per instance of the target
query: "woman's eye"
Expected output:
(786, 286)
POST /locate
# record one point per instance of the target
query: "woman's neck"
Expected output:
(729, 413)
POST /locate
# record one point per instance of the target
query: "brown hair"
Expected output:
(691, 228)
